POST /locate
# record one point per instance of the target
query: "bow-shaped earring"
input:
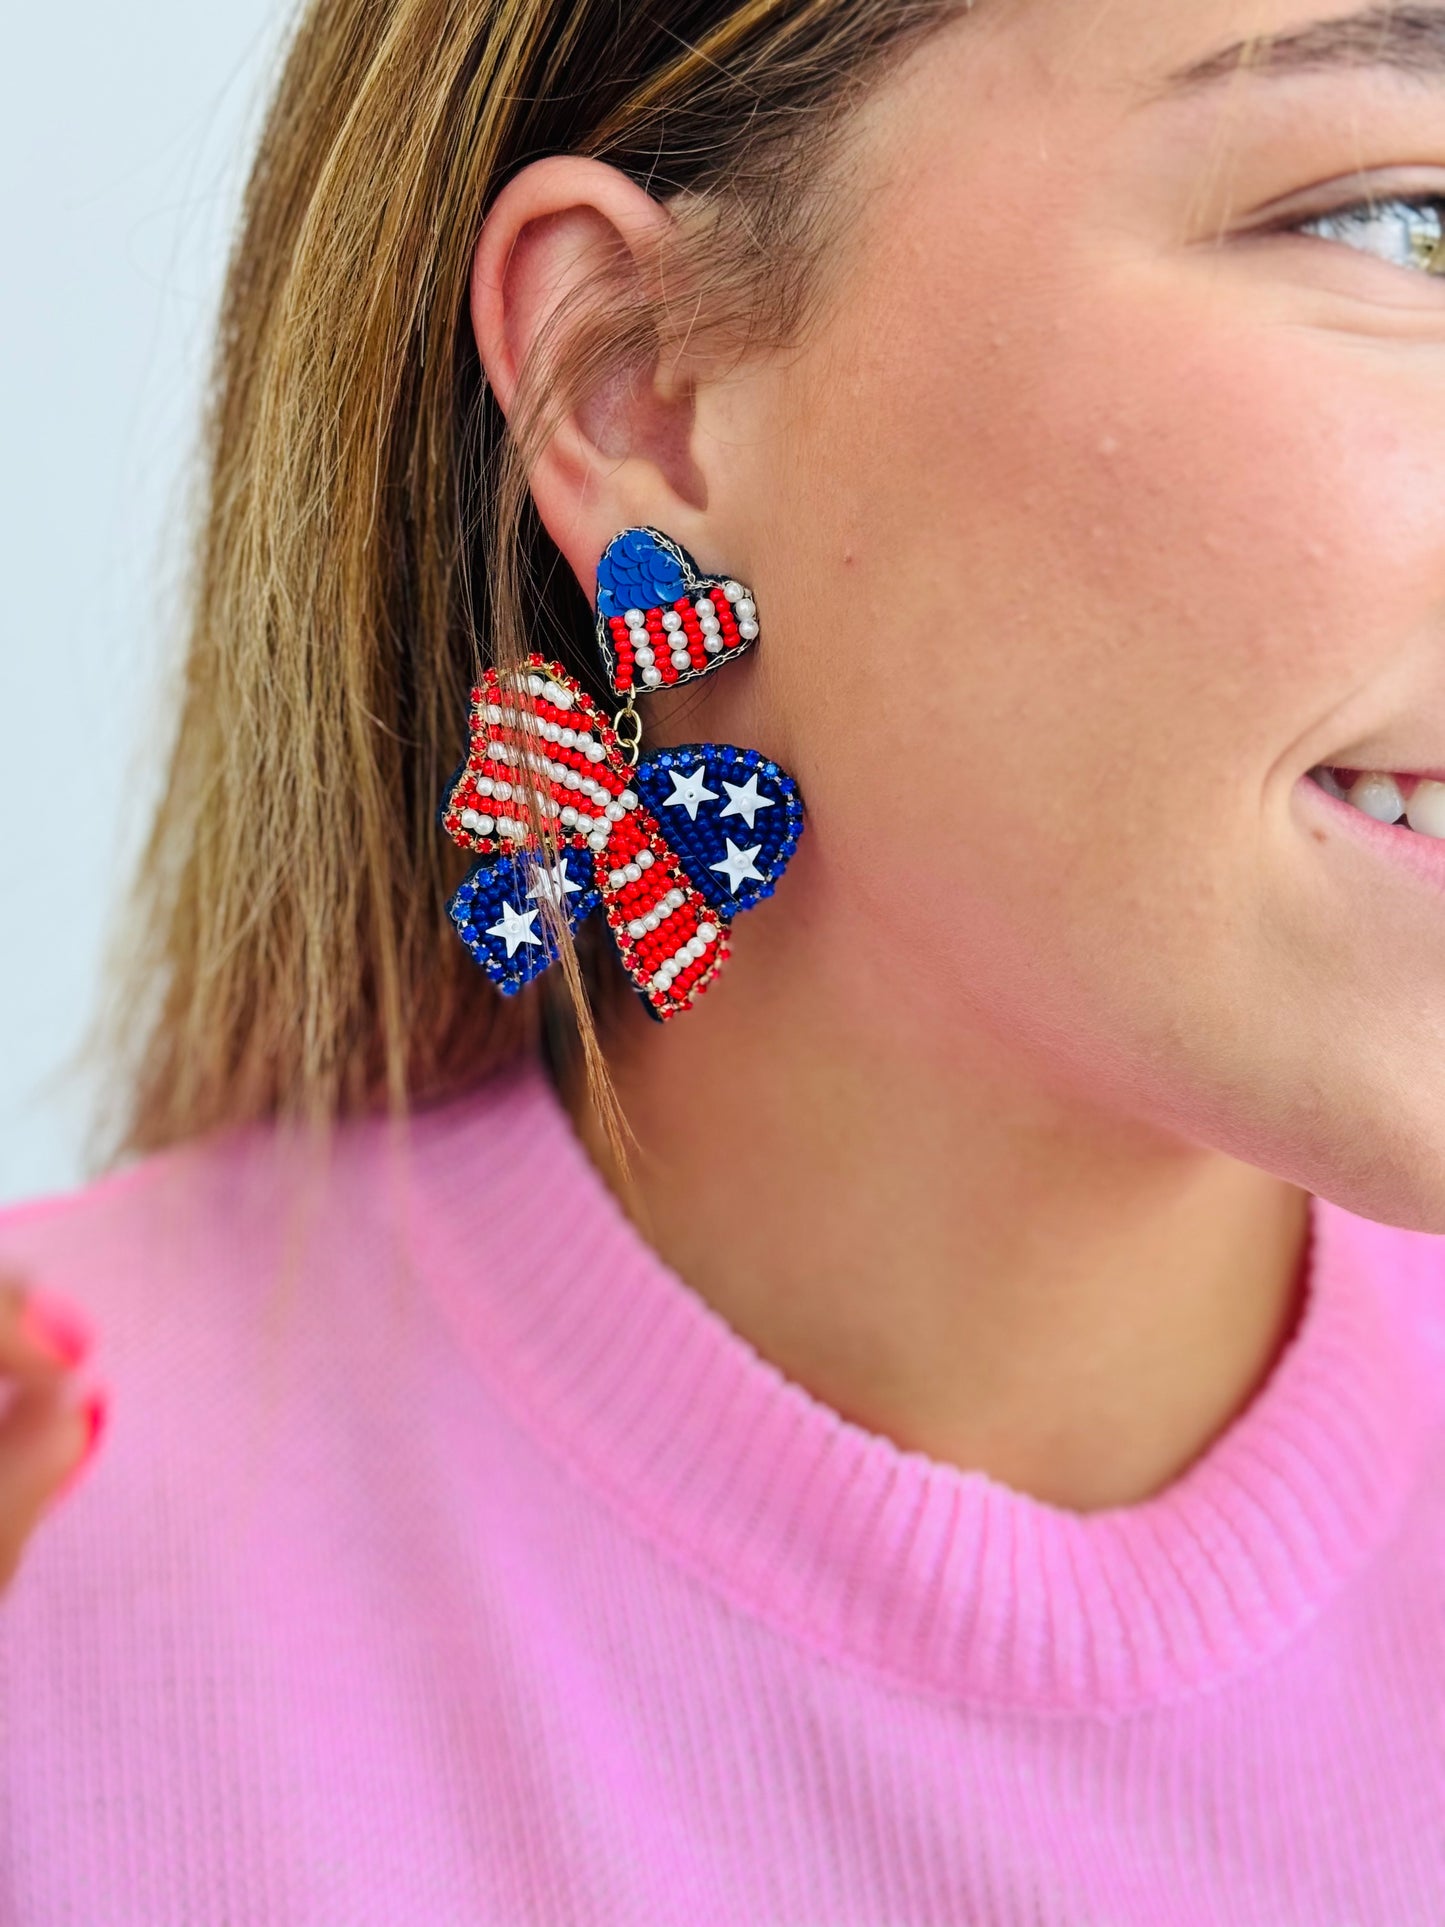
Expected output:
(671, 846)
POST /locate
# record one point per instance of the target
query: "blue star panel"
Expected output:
(732, 816)
(499, 917)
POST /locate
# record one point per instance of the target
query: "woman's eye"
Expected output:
(1408, 231)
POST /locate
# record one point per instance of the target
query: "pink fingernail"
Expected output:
(94, 1407)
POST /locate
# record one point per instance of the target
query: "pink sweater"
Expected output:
(487, 1575)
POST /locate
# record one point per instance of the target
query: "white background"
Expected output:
(124, 138)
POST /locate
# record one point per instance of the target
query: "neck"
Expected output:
(944, 1252)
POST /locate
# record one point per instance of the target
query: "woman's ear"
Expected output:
(623, 454)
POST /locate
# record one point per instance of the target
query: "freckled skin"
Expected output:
(1082, 525)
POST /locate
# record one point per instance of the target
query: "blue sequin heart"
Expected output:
(499, 916)
(732, 816)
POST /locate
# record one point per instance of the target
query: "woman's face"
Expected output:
(1090, 519)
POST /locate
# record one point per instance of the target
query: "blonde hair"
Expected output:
(367, 541)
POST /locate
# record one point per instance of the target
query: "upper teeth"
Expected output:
(1378, 794)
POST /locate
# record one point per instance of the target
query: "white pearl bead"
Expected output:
(748, 631)
(632, 617)
(671, 619)
(651, 920)
(681, 659)
(492, 713)
(707, 931)
(550, 690)
(709, 625)
(565, 698)
(644, 657)
(695, 948)
(566, 737)
(596, 753)
(732, 590)
(535, 685)
(636, 928)
(646, 859)
(675, 897)
(652, 677)
(631, 872)
(569, 815)
(614, 812)
(745, 608)
(484, 786)
(714, 645)
(501, 791)
(703, 607)
(628, 799)
(469, 819)
(598, 840)
(484, 824)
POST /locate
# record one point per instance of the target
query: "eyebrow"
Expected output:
(1409, 40)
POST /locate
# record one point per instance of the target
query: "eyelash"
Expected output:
(1431, 252)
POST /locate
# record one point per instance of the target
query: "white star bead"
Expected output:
(739, 864)
(690, 790)
(553, 882)
(744, 800)
(515, 929)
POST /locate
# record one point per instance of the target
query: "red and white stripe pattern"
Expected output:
(544, 743)
(706, 631)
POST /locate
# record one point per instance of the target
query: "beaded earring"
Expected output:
(672, 845)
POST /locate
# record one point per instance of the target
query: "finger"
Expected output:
(44, 1440)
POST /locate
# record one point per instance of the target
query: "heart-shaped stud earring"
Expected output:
(660, 620)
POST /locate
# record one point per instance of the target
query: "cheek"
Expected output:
(1076, 605)
(1112, 568)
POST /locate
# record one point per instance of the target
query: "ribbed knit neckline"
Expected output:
(941, 1580)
